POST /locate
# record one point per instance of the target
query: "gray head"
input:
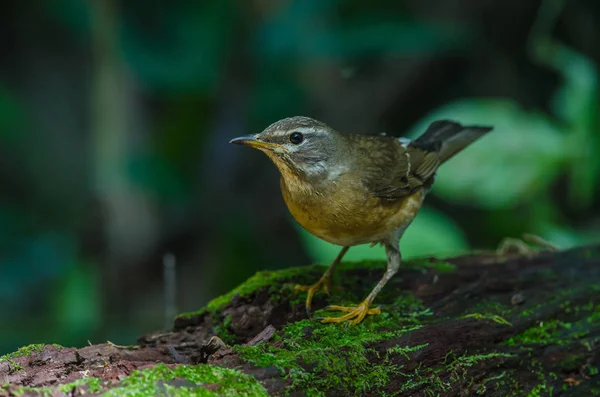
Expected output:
(298, 144)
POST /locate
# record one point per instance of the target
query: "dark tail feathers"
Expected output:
(448, 137)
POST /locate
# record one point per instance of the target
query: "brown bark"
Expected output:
(494, 326)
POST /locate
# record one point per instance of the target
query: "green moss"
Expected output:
(318, 357)
(489, 383)
(266, 279)
(458, 367)
(94, 385)
(223, 332)
(470, 360)
(538, 389)
(23, 351)
(439, 379)
(187, 380)
(573, 362)
(486, 309)
(559, 297)
(273, 280)
(559, 332)
(440, 266)
(366, 264)
(404, 350)
(492, 317)
(280, 286)
(200, 380)
(543, 388)
(13, 366)
(26, 351)
(545, 332)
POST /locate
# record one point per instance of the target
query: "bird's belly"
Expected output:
(345, 222)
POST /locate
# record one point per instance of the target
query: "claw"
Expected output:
(348, 309)
(323, 284)
(355, 314)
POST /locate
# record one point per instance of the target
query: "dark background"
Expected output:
(115, 118)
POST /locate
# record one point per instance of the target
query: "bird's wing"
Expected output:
(392, 170)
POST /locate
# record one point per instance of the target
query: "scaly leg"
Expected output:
(324, 283)
(355, 314)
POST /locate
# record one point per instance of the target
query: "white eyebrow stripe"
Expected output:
(304, 130)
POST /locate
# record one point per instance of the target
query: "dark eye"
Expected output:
(296, 138)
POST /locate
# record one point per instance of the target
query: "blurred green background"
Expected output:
(115, 118)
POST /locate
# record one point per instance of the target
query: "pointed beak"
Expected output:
(250, 140)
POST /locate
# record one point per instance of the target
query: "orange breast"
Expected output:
(341, 212)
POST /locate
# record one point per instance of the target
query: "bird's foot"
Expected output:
(323, 284)
(355, 314)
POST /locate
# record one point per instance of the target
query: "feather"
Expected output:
(393, 168)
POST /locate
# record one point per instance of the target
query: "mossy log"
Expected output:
(473, 325)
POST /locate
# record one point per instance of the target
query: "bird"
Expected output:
(351, 189)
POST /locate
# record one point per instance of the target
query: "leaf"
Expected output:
(576, 103)
(311, 29)
(154, 173)
(77, 304)
(431, 233)
(521, 157)
(178, 49)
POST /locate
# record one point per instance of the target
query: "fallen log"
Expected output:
(482, 324)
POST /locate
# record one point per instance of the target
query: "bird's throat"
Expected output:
(294, 177)
(296, 183)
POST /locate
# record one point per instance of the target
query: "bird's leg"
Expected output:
(324, 282)
(355, 314)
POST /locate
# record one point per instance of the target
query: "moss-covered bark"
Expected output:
(474, 325)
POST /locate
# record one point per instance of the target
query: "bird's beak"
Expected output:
(250, 140)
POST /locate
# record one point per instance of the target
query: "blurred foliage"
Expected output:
(93, 198)
(523, 166)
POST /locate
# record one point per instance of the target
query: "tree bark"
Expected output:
(482, 324)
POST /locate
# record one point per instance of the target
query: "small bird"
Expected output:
(351, 189)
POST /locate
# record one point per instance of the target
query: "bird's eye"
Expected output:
(296, 138)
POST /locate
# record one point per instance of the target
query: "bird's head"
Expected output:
(300, 145)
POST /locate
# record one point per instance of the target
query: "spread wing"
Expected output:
(392, 170)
